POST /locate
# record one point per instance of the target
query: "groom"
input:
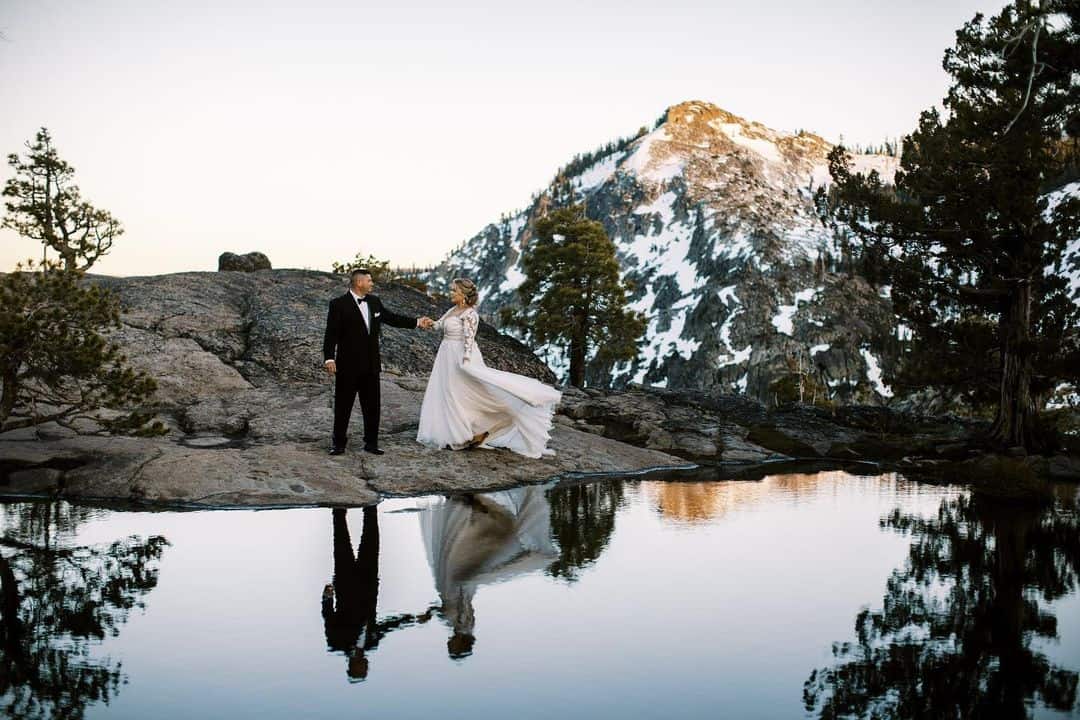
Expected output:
(351, 352)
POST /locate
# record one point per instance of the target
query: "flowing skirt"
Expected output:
(463, 400)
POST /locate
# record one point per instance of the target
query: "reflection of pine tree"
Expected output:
(954, 636)
(57, 599)
(582, 520)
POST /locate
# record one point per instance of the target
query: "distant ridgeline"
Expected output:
(744, 287)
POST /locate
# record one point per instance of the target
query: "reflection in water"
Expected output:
(582, 520)
(954, 637)
(56, 599)
(968, 623)
(349, 603)
(472, 540)
(695, 502)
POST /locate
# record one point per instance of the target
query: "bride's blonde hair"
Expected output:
(468, 289)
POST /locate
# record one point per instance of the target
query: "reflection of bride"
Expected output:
(476, 539)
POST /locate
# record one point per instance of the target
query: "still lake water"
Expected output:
(816, 595)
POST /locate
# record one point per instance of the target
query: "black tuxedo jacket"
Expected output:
(349, 342)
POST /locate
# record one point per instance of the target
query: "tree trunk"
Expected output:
(10, 626)
(8, 394)
(1017, 420)
(577, 362)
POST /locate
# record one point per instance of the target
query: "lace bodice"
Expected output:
(460, 326)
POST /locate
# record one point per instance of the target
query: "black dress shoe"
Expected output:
(337, 451)
(374, 450)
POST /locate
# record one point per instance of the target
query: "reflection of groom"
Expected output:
(349, 604)
(351, 354)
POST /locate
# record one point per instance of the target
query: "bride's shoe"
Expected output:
(476, 441)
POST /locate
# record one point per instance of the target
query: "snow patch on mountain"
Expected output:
(599, 172)
(654, 159)
(664, 253)
(873, 373)
(783, 320)
(761, 144)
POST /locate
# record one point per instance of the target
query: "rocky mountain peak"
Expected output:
(713, 219)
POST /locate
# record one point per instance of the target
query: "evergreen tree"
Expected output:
(45, 205)
(379, 269)
(54, 363)
(572, 293)
(965, 237)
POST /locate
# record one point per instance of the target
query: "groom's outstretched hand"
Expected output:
(331, 366)
(426, 323)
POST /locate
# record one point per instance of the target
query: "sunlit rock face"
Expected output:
(744, 288)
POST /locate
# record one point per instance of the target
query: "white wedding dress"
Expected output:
(465, 397)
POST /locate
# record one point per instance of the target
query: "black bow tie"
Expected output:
(362, 300)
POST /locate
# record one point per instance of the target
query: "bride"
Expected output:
(467, 404)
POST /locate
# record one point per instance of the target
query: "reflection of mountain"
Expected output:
(700, 501)
(690, 501)
(58, 598)
(474, 540)
(956, 632)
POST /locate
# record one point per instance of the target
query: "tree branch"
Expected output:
(1031, 76)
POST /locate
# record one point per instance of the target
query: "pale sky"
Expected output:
(312, 131)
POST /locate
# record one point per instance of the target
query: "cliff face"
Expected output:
(714, 222)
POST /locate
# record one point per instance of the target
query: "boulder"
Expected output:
(249, 262)
(710, 428)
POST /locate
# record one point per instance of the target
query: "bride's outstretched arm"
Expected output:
(471, 321)
(438, 324)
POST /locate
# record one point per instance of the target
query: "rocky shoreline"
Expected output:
(248, 411)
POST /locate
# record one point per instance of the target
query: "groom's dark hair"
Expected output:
(358, 271)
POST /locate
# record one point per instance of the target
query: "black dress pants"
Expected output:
(347, 387)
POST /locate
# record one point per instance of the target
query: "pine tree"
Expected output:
(572, 293)
(55, 365)
(965, 237)
(46, 205)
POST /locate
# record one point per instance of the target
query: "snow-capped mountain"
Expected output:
(713, 219)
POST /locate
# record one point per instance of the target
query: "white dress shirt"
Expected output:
(363, 309)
